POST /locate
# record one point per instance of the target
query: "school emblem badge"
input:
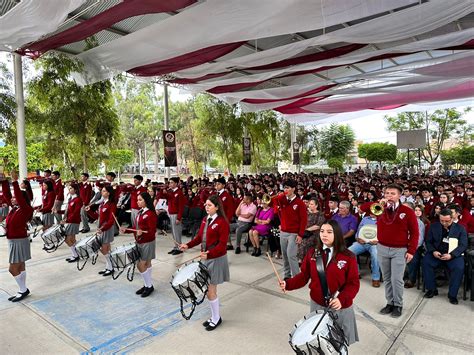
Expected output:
(341, 264)
(402, 215)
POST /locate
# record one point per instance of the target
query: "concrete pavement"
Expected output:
(71, 311)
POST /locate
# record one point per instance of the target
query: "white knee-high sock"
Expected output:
(108, 264)
(74, 252)
(149, 281)
(20, 280)
(144, 278)
(215, 315)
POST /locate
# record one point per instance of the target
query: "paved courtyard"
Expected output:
(71, 311)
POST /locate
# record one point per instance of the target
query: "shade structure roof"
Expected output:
(303, 58)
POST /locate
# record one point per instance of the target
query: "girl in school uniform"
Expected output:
(145, 238)
(17, 235)
(212, 237)
(106, 226)
(341, 275)
(46, 208)
(72, 219)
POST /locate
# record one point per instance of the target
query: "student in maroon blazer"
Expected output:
(106, 226)
(5, 198)
(145, 224)
(59, 191)
(46, 208)
(16, 225)
(341, 274)
(71, 220)
(212, 237)
(85, 193)
(227, 203)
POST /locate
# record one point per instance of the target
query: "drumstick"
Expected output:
(174, 241)
(187, 261)
(116, 221)
(326, 310)
(274, 269)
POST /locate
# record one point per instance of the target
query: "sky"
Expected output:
(367, 129)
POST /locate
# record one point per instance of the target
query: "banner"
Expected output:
(247, 152)
(169, 142)
(296, 153)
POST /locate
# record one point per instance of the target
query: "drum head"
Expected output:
(185, 273)
(52, 230)
(302, 334)
(122, 249)
(368, 232)
(84, 241)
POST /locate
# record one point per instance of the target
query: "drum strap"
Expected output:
(322, 276)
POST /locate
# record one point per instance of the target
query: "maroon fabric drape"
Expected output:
(185, 61)
(117, 13)
(297, 106)
(307, 93)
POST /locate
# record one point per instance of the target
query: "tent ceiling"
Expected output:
(281, 63)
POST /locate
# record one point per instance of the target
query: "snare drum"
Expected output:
(86, 248)
(318, 333)
(34, 226)
(53, 237)
(122, 257)
(190, 283)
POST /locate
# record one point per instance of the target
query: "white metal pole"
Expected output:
(167, 118)
(293, 140)
(140, 161)
(20, 115)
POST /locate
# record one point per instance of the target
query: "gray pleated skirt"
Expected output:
(4, 211)
(107, 236)
(47, 219)
(147, 251)
(346, 320)
(218, 269)
(19, 250)
(71, 228)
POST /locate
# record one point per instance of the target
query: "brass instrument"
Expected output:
(266, 199)
(377, 208)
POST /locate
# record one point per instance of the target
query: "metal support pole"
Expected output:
(245, 167)
(167, 118)
(20, 116)
(293, 140)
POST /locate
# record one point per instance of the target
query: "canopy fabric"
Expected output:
(293, 56)
(31, 19)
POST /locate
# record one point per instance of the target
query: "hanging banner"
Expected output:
(169, 142)
(296, 153)
(247, 153)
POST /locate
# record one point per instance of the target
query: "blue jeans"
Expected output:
(358, 249)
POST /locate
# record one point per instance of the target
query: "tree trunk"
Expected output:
(156, 158)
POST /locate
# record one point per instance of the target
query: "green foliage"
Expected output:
(118, 158)
(337, 141)
(7, 99)
(336, 163)
(377, 151)
(35, 156)
(463, 156)
(77, 124)
(440, 125)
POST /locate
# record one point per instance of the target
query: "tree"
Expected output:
(77, 124)
(7, 100)
(337, 141)
(35, 156)
(118, 158)
(379, 152)
(440, 125)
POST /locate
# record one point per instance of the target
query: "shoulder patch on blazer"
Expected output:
(341, 264)
(214, 226)
(402, 215)
(295, 207)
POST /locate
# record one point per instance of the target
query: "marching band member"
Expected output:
(176, 202)
(340, 268)
(137, 191)
(49, 196)
(145, 224)
(85, 193)
(212, 237)
(72, 219)
(59, 191)
(227, 203)
(106, 226)
(5, 198)
(17, 235)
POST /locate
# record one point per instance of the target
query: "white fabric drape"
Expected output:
(393, 27)
(451, 39)
(31, 19)
(419, 76)
(218, 22)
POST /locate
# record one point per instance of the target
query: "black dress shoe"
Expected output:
(211, 326)
(176, 252)
(84, 231)
(172, 251)
(431, 293)
(140, 291)
(453, 300)
(206, 323)
(387, 309)
(23, 295)
(102, 272)
(72, 260)
(230, 247)
(237, 250)
(108, 273)
(253, 253)
(258, 252)
(11, 297)
(148, 291)
(397, 312)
